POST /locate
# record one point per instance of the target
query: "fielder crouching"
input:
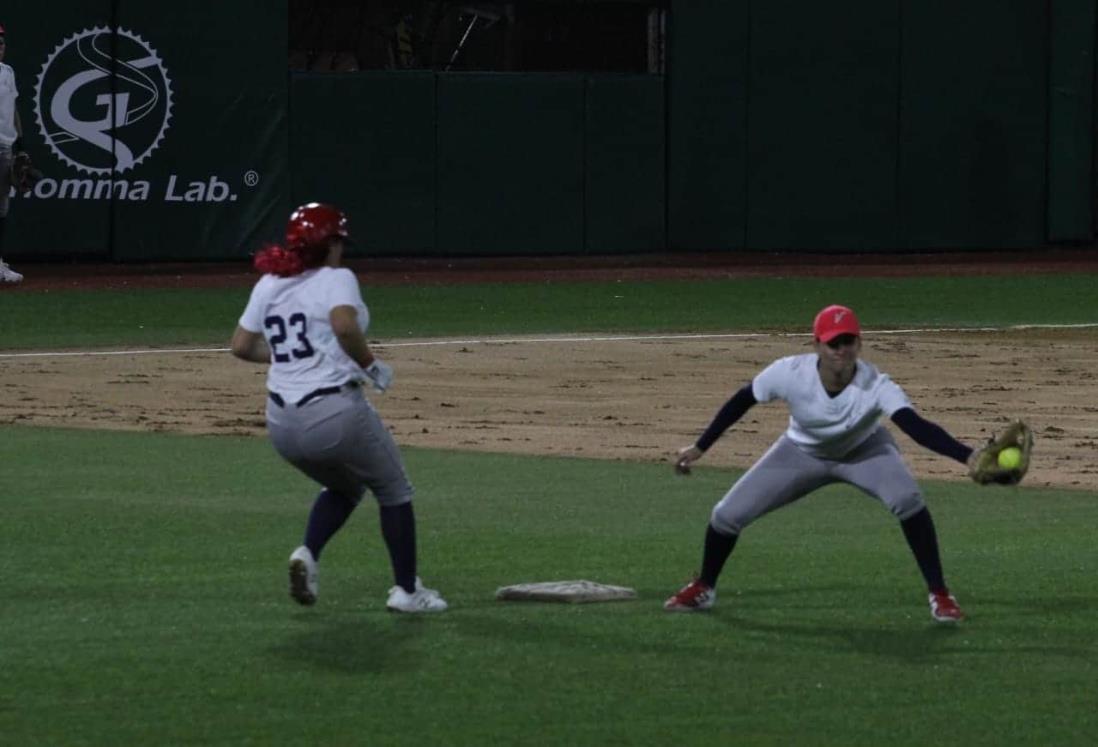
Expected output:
(835, 403)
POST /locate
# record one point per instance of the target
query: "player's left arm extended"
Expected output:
(250, 346)
(930, 435)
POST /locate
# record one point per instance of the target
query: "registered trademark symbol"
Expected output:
(251, 178)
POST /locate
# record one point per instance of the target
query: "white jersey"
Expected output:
(824, 426)
(8, 94)
(293, 315)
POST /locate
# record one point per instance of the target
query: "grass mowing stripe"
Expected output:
(145, 601)
(139, 317)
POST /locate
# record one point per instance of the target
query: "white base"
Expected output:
(564, 591)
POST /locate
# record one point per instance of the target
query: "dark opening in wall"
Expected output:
(623, 36)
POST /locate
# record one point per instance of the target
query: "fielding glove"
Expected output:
(988, 466)
(23, 174)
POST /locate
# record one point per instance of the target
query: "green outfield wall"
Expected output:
(822, 125)
(1071, 151)
(974, 124)
(367, 142)
(164, 140)
(863, 125)
(707, 69)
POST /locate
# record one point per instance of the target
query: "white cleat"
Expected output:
(8, 275)
(303, 576)
(421, 600)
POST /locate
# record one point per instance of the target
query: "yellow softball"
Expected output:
(1010, 457)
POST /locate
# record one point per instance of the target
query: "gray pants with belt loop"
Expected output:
(5, 179)
(786, 472)
(340, 442)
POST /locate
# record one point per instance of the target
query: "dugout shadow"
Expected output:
(353, 646)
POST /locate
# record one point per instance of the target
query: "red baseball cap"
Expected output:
(833, 321)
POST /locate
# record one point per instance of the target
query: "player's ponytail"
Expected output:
(285, 263)
(276, 260)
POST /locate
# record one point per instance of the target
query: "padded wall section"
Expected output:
(624, 194)
(366, 142)
(822, 138)
(510, 164)
(708, 42)
(973, 129)
(1071, 121)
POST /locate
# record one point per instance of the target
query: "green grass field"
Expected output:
(204, 316)
(144, 596)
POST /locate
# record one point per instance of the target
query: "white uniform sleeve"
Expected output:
(770, 383)
(891, 397)
(343, 289)
(252, 318)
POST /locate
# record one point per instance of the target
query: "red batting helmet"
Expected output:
(313, 224)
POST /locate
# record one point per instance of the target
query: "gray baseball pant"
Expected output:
(786, 473)
(5, 179)
(340, 442)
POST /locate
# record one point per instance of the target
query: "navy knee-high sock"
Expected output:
(398, 529)
(330, 511)
(717, 549)
(923, 541)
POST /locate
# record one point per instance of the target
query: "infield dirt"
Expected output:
(629, 399)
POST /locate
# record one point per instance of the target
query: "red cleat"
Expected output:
(694, 597)
(944, 609)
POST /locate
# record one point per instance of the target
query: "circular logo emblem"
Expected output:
(103, 100)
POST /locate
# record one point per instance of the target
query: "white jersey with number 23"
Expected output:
(293, 315)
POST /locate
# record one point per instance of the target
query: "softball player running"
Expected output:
(306, 318)
(835, 402)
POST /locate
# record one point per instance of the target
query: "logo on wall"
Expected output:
(103, 100)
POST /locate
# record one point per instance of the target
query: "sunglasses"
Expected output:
(841, 341)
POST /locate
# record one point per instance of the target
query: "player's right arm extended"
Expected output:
(733, 410)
